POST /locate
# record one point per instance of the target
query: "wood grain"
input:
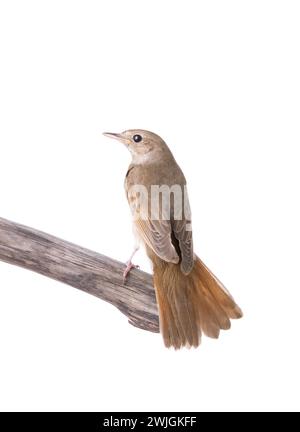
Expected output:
(81, 268)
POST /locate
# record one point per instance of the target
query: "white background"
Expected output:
(219, 81)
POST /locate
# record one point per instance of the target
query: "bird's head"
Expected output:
(143, 145)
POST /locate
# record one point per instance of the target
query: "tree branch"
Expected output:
(81, 268)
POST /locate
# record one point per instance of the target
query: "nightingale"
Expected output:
(191, 300)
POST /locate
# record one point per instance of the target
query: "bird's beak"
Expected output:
(118, 136)
(113, 135)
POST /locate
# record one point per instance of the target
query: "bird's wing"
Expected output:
(182, 230)
(170, 240)
(157, 235)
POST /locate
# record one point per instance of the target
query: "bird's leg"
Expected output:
(129, 264)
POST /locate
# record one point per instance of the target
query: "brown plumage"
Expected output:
(190, 298)
(192, 304)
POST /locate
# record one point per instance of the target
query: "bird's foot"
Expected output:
(129, 267)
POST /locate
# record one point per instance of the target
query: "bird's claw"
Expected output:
(129, 267)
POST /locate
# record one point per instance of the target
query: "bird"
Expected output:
(191, 300)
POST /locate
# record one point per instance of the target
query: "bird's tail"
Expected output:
(192, 304)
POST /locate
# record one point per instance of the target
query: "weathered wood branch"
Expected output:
(81, 268)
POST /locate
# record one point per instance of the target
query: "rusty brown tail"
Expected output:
(192, 304)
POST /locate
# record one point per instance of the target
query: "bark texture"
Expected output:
(81, 268)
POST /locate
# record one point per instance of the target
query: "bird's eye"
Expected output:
(137, 138)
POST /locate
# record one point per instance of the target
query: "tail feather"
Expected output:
(187, 320)
(192, 304)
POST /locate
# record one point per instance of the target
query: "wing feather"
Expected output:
(158, 237)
